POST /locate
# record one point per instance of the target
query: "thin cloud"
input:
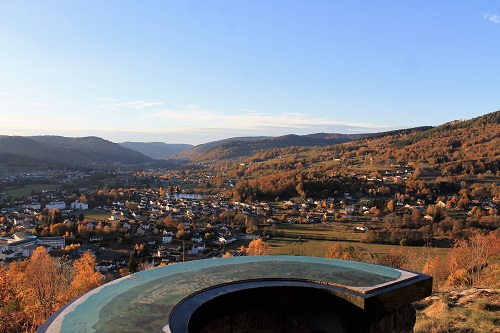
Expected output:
(249, 120)
(40, 104)
(138, 105)
(105, 99)
(492, 18)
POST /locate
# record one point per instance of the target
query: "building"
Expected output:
(79, 205)
(56, 205)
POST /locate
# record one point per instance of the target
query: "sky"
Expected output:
(182, 71)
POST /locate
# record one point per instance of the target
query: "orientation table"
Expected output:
(281, 293)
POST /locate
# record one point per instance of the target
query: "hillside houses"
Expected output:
(151, 215)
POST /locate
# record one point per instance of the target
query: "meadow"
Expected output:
(26, 190)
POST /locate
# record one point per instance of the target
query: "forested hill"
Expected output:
(448, 154)
(57, 150)
(199, 150)
(470, 146)
(240, 148)
(458, 147)
(159, 150)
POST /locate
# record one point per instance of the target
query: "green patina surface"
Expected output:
(143, 301)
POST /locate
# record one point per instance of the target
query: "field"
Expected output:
(317, 248)
(28, 189)
(98, 215)
(323, 231)
(315, 239)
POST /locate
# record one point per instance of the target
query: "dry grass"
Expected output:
(317, 248)
(467, 311)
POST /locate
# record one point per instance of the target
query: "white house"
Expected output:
(35, 206)
(56, 205)
(167, 237)
(79, 205)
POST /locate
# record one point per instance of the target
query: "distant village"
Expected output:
(173, 226)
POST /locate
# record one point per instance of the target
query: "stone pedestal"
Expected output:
(251, 294)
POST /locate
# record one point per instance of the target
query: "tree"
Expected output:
(337, 251)
(390, 205)
(132, 264)
(39, 286)
(258, 247)
(58, 229)
(12, 319)
(85, 277)
(394, 259)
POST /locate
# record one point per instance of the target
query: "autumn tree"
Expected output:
(85, 276)
(58, 229)
(337, 251)
(390, 205)
(39, 285)
(258, 247)
(12, 319)
(395, 258)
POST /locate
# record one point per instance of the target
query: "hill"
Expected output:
(158, 150)
(57, 150)
(198, 150)
(467, 146)
(241, 148)
(445, 154)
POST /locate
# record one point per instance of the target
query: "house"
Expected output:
(104, 266)
(92, 224)
(172, 248)
(196, 238)
(167, 237)
(360, 229)
(226, 240)
(147, 263)
(252, 236)
(54, 242)
(35, 206)
(79, 205)
(56, 205)
(19, 241)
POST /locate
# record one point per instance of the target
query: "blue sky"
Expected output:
(197, 71)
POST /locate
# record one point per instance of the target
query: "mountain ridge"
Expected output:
(156, 150)
(58, 150)
(244, 147)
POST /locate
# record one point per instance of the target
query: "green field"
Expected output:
(28, 189)
(98, 215)
(315, 239)
(327, 231)
(317, 248)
